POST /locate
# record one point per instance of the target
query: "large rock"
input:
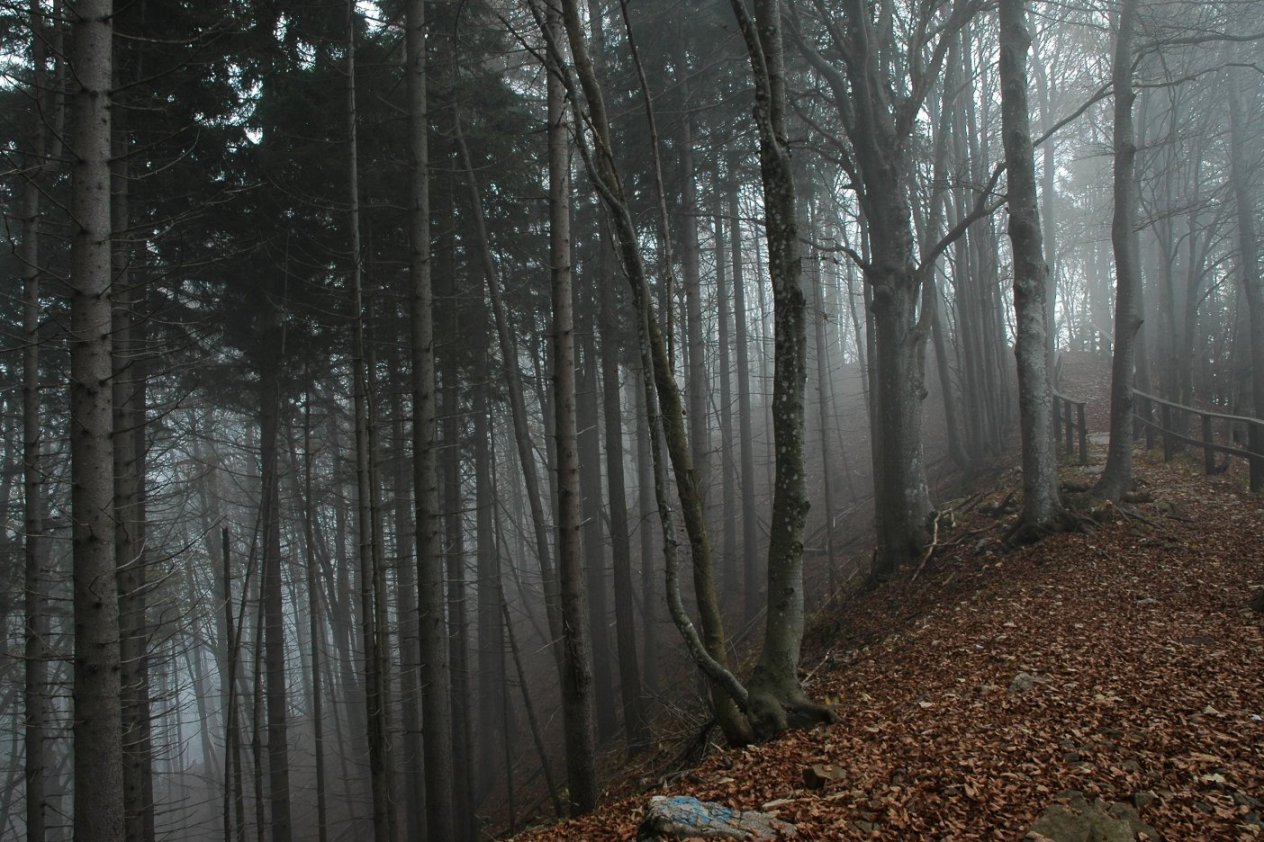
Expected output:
(1081, 821)
(685, 817)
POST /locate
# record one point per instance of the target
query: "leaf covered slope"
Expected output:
(1121, 663)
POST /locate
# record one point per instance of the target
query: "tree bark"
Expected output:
(777, 699)
(36, 554)
(728, 697)
(752, 589)
(577, 709)
(1248, 241)
(1116, 477)
(433, 634)
(1042, 507)
(635, 726)
(98, 739)
(369, 549)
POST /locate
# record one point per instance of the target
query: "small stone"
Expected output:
(1024, 681)
(818, 775)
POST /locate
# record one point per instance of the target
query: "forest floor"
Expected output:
(1122, 662)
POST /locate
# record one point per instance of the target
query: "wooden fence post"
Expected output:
(1079, 408)
(1255, 441)
(1209, 438)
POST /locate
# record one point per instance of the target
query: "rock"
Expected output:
(1257, 602)
(1081, 821)
(818, 775)
(685, 817)
(1024, 681)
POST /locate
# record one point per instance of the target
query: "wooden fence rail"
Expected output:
(1063, 410)
(1170, 414)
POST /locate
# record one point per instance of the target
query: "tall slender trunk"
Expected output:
(129, 539)
(436, 716)
(98, 739)
(492, 710)
(314, 622)
(36, 554)
(596, 566)
(750, 524)
(635, 726)
(454, 564)
(372, 574)
(1248, 240)
(272, 606)
(576, 668)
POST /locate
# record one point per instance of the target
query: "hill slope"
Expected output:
(1123, 663)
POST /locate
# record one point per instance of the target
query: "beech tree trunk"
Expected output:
(777, 699)
(1042, 507)
(98, 738)
(1248, 241)
(1116, 477)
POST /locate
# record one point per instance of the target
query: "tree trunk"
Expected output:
(576, 678)
(35, 542)
(709, 651)
(314, 623)
(729, 569)
(777, 699)
(595, 565)
(1116, 477)
(635, 726)
(1248, 243)
(369, 549)
(492, 690)
(98, 740)
(1042, 507)
(272, 607)
(436, 717)
(746, 438)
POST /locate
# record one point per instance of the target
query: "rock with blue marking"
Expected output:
(685, 817)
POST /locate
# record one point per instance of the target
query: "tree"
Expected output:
(1116, 476)
(878, 113)
(42, 148)
(436, 717)
(1041, 503)
(98, 737)
(576, 668)
(775, 693)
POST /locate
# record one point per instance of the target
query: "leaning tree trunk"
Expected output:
(728, 697)
(777, 699)
(1116, 477)
(1042, 507)
(98, 738)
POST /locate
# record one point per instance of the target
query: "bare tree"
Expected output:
(1042, 506)
(1116, 477)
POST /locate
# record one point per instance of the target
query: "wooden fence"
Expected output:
(1068, 418)
(1172, 425)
